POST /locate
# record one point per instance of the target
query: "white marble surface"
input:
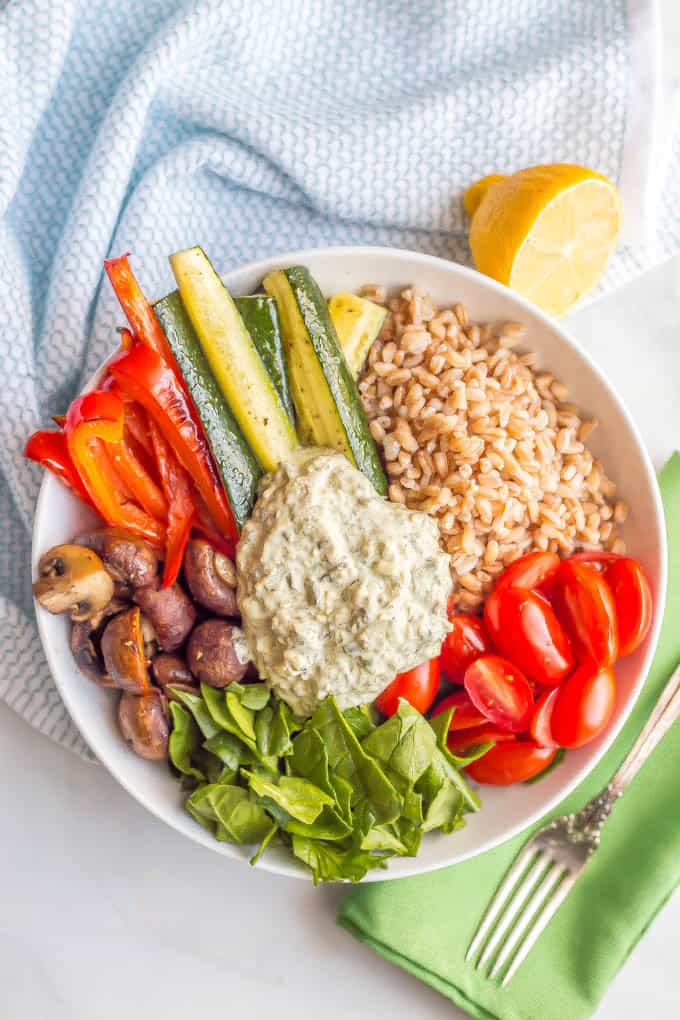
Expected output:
(107, 914)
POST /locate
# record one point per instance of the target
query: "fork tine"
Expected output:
(535, 874)
(497, 903)
(540, 922)
(548, 884)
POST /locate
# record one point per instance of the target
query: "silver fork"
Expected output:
(548, 865)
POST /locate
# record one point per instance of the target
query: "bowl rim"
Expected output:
(409, 867)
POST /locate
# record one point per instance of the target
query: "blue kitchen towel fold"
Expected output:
(254, 128)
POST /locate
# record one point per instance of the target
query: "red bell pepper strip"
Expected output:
(93, 420)
(144, 376)
(181, 504)
(204, 526)
(50, 449)
(135, 476)
(139, 313)
(126, 338)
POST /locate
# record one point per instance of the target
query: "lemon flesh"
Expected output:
(546, 231)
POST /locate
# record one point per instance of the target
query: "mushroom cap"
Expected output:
(72, 579)
(211, 577)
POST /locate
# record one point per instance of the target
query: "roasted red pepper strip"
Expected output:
(181, 504)
(137, 421)
(126, 338)
(139, 313)
(144, 376)
(137, 479)
(50, 449)
(93, 420)
(205, 527)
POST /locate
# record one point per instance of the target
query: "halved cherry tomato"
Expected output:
(463, 644)
(523, 626)
(462, 740)
(535, 570)
(539, 727)
(512, 762)
(418, 686)
(596, 556)
(633, 600)
(585, 607)
(584, 705)
(465, 714)
(500, 691)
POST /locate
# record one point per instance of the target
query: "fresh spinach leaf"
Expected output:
(331, 863)
(363, 719)
(298, 797)
(347, 758)
(230, 812)
(185, 739)
(229, 749)
(405, 742)
(266, 840)
(199, 710)
(253, 696)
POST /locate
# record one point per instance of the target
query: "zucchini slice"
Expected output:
(325, 395)
(236, 463)
(357, 322)
(261, 319)
(233, 358)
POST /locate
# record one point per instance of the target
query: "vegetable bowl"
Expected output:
(60, 516)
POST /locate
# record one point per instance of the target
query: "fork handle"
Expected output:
(664, 714)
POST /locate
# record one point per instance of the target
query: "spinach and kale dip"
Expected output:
(339, 589)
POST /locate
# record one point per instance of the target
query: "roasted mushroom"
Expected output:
(170, 611)
(87, 658)
(144, 724)
(129, 559)
(211, 577)
(217, 653)
(123, 652)
(73, 579)
(171, 669)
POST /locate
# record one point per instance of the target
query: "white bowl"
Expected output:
(60, 516)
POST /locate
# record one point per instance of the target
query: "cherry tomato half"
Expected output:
(540, 725)
(535, 570)
(465, 714)
(512, 762)
(418, 686)
(462, 740)
(633, 600)
(523, 626)
(585, 607)
(584, 705)
(500, 691)
(462, 645)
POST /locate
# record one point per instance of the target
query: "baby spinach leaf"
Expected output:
(405, 742)
(310, 759)
(229, 811)
(229, 749)
(242, 716)
(199, 710)
(444, 808)
(184, 741)
(298, 797)
(215, 771)
(383, 837)
(410, 835)
(273, 730)
(363, 719)
(266, 840)
(253, 696)
(330, 863)
(328, 825)
(347, 758)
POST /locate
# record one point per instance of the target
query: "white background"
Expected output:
(106, 914)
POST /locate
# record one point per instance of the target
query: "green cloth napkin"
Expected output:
(425, 924)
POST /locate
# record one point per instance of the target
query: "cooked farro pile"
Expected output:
(472, 435)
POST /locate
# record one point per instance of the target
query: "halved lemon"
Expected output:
(547, 231)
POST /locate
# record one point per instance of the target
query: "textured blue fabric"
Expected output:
(252, 128)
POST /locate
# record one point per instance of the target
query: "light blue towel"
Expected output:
(256, 127)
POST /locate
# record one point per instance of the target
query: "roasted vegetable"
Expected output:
(325, 394)
(211, 577)
(123, 652)
(144, 724)
(234, 359)
(236, 463)
(217, 653)
(170, 611)
(73, 579)
(261, 319)
(357, 322)
(127, 557)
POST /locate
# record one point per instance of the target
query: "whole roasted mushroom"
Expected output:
(170, 611)
(211, 577)
(72, 579)
(171, 669)
(87, 658)
(123, 652)
(217, 653)
(144, 724)
(130, 560)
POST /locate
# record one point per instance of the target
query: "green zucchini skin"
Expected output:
(342, 398)
(236, 463)
(261, 319)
